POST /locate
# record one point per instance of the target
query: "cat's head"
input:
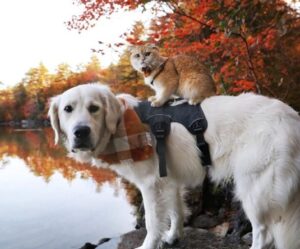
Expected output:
(145, 59)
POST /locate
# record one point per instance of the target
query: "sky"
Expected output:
(34, 31)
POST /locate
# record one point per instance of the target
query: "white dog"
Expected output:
(253, 139)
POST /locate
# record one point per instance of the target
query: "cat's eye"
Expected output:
(137, 55)
(147, 54)
(68, 108)
(93, 108)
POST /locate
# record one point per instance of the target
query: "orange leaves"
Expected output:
(94, 9)
(270, 38)
(242, 86)
(266, 39)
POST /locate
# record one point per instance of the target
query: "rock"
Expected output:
(127, 241)
(222, 214)
(193, 238)
(220, 230)
(104, 240)
(240, 225)
(110, 244)
(88, 246)
(247, 238)
(194, 200)
(205, 221)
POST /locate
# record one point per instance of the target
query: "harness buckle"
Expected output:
(160, 125)
(196, 126)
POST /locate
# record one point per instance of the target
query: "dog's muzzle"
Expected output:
(82, 138)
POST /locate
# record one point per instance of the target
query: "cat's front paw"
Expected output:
(157, 103)
(195, 101)
(152, 98)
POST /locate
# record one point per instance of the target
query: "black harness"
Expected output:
(160, 118)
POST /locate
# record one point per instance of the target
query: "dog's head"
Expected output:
(85, 117)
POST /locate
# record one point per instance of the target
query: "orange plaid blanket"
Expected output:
(131, 142)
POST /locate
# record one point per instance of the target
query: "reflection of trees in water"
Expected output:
(43, 158)
(37, 149)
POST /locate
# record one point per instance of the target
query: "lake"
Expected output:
(47, 201)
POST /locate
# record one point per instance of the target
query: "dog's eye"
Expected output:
(137, 55)
(68, 108)
(93, 108)
(147, 54)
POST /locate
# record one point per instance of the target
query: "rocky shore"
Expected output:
(194, 238)
(217, 222)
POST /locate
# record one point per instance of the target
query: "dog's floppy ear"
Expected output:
(54, 120)
(113, 112)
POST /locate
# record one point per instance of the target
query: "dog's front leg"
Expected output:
(175, 204)
(154, 217)
(262, 239)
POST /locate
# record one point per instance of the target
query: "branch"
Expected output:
(250, 63)
(177, 10)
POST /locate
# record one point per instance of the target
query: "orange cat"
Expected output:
(180, 75)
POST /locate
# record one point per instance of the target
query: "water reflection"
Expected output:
(48, 201)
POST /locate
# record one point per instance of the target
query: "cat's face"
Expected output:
(144, 59)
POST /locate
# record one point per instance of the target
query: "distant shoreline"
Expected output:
(26, 124)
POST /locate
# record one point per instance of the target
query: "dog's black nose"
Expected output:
(82, 131)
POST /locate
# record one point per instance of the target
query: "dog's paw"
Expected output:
(170, 238)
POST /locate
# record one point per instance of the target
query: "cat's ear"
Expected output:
(131, 48)
(153, 47)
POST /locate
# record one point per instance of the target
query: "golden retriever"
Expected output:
(253, 140)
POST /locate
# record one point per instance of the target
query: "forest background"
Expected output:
(247, 45)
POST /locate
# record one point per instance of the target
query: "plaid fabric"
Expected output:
(132, 141)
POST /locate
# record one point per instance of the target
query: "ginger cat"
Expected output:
(180, 75)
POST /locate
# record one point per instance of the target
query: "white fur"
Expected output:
(253, 139)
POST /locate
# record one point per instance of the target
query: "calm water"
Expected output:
(49, 202)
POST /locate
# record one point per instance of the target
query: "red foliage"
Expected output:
(243, 85)
(235, 38)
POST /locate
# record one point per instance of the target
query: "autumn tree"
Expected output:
(29, 99)
(248, 45)
(20, 96)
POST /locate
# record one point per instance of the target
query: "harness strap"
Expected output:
(197, 128)
(161, 68)
(160, 126)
